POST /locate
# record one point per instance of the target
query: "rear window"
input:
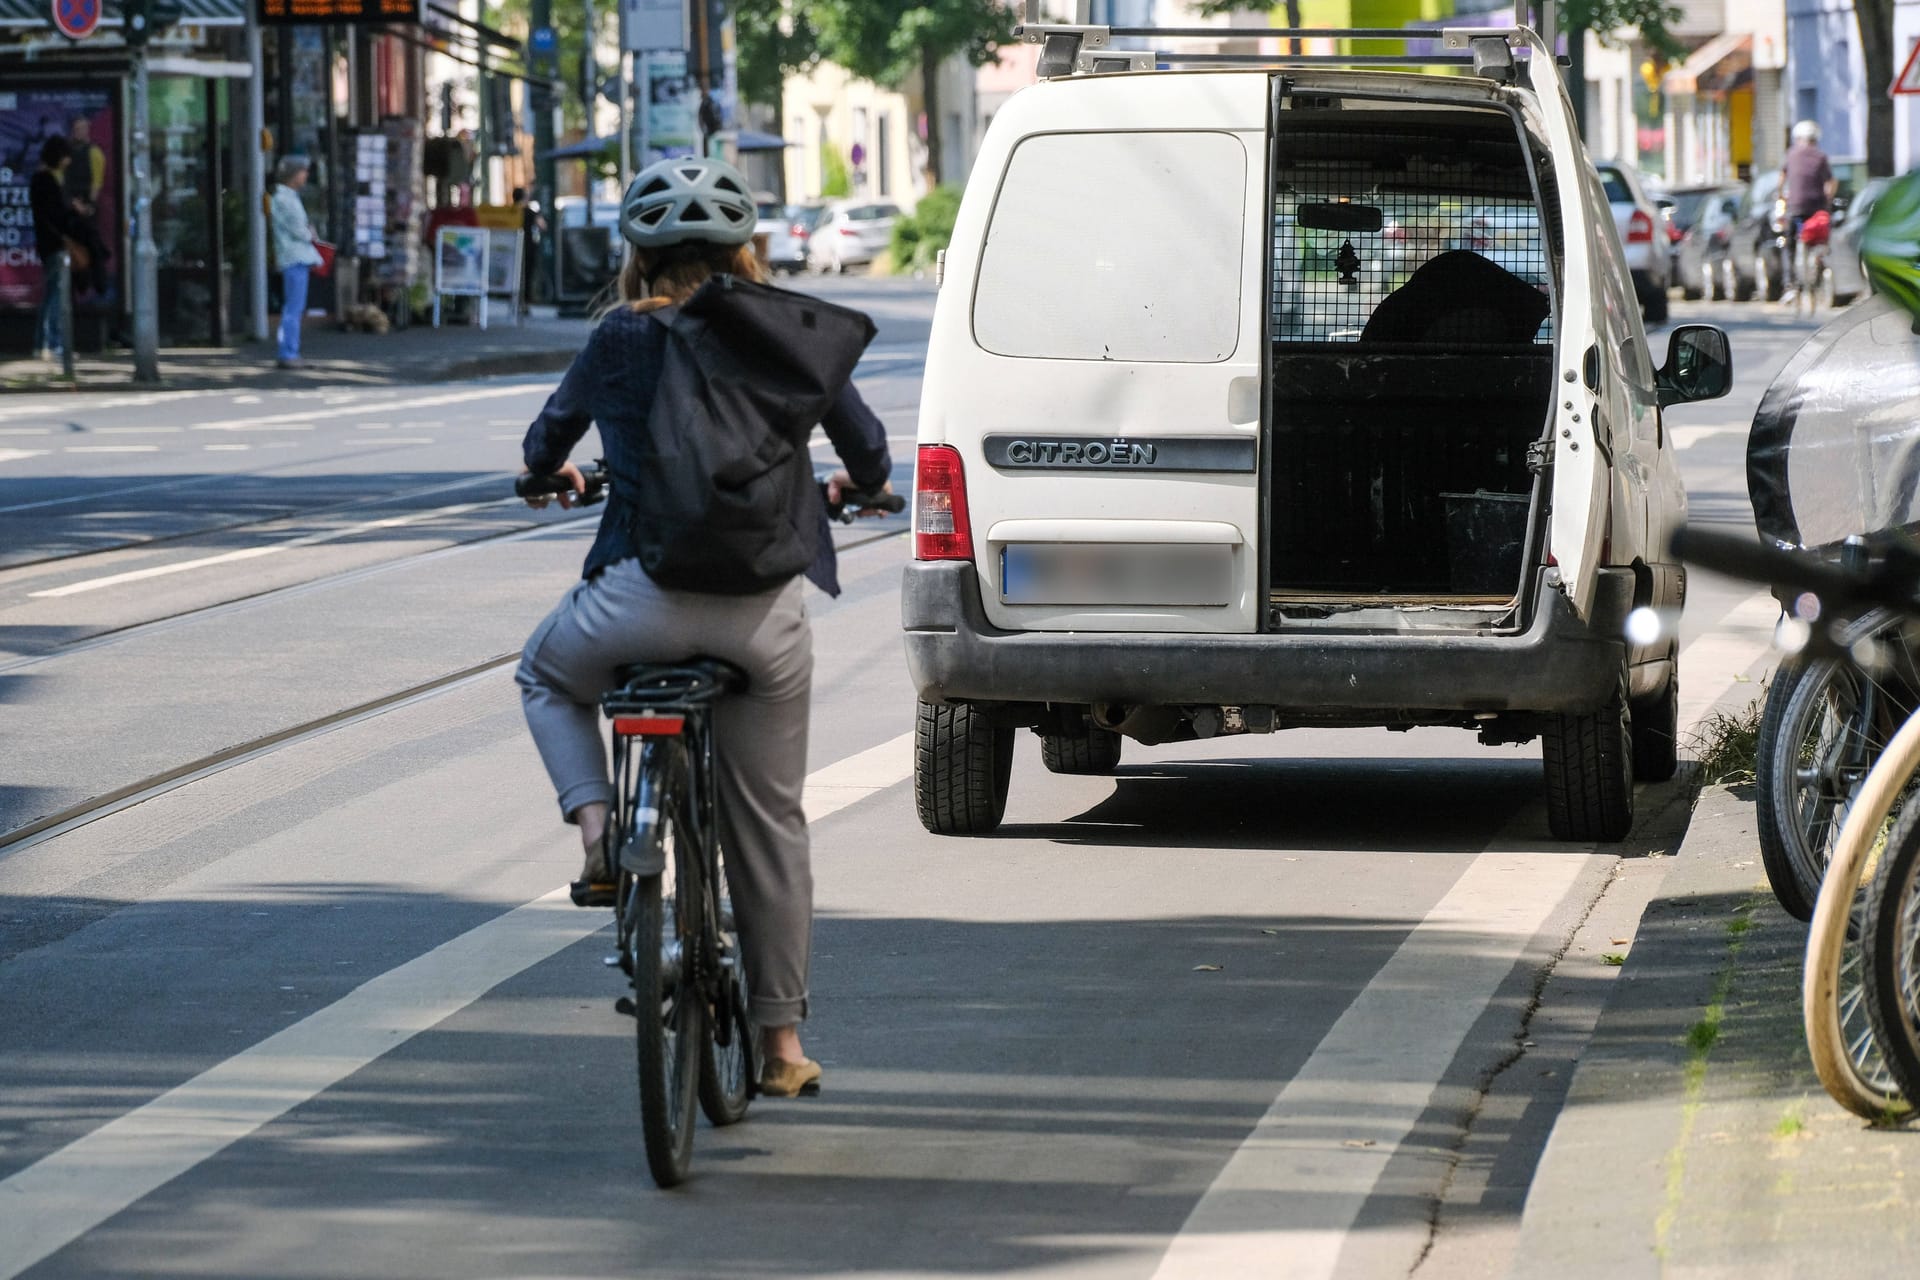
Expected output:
(1618, 192)
(1116, 246)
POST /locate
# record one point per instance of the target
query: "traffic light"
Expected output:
(141, 19)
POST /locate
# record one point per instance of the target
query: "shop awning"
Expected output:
(754, 140)
(1714, 66)
(35, 14)
(584, 149)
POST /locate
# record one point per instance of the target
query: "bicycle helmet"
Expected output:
(1890, 243)
(681, 201)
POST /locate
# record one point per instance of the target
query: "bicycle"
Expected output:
(1813, 278)
(1860, 997)
(673, 925)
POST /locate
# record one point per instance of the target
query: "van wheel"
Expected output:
(961, 767)
(1093, 750)
(1589, 766)
(1656, 733)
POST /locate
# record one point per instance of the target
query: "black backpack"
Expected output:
(725, 500)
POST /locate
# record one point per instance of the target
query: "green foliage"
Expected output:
(772, 41)
(918, 240)
(836, 178)
(889, 41)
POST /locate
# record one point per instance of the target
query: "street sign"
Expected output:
(289, 13)
(649, 25)
(76, 18)
(543, 42)
(1908, 81)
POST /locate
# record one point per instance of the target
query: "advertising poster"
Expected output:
(88, 116)
(461, 261)
(674, 97)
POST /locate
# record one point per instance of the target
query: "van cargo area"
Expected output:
(1412, 309)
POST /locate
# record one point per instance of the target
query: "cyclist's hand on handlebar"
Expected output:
(577, 488)
(841, 482)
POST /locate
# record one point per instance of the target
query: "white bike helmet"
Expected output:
(680, 201)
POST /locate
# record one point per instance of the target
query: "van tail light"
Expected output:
(941, 530)
(849, 231)
(798, 231)
(1639, 228)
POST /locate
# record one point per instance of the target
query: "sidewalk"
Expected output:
(332, 358)
(1696, 1140)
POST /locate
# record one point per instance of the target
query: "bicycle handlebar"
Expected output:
(856, 500)
(532, 486)
(1891, 581)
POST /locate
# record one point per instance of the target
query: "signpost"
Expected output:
(1908, 81)
(76, 18)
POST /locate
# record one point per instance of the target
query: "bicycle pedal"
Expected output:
(624, 1005)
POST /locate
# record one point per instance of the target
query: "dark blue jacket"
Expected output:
(611, 383)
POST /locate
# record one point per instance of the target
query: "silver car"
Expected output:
(787, 229)
(1643, 231)
(851, 233)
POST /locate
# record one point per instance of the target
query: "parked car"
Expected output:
(1640, 224)
(1145, 508)
(787, 228)
(1700, 257)
(850, 233)
(1848, 278)
(1681, 208)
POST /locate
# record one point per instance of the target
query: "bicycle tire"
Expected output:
(726, 1071)
(669, 1014)
(1811, 719)
(1891, 946)
(1840, 1036)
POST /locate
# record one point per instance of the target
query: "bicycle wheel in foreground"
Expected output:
(1846, 1053)
(669, 1011)
(1892, 954)
(1825, 723)
(726, 1070)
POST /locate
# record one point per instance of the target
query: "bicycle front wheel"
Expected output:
(669, 1011)
(1892, 955)
(1825, 724)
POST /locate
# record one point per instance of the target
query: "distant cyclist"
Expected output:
(688, 221)
(1807, 184)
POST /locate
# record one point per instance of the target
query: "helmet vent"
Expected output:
(695, 212)
(654, 188)
(655, 216)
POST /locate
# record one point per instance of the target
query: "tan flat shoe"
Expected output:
(800, 1079)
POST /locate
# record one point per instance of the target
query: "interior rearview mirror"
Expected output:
(1699, 365)
(1340, 216)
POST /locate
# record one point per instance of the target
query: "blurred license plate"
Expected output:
(1111, 573)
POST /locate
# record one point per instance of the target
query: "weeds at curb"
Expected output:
(1727, 745)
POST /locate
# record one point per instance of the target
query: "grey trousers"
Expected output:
(760, 742)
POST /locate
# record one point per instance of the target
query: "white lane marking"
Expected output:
(348, 410)
(14, 455)
(374, 426)
(62, 1196)
(229, 448)
(1286, 1201)
(852, 780)
(1689, 436)
(254, 553)
(57, 1199)
(111, 448)
(129, 431)
(401, 440)
(26, 431)
(1739, 640)
(110, 402)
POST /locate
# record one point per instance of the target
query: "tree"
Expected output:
(888, 41)
(772, 41)
(1875, 19)
(514, 17)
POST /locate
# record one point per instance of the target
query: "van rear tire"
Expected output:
(961, 768)
(1656, 732)
(1093, 751)
(1589, 768)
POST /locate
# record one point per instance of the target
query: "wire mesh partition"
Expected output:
(1406, 227)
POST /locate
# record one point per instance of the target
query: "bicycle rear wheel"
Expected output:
(1892, 955)
(669, 1011)
(726, 1070)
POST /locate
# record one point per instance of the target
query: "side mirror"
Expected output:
(1699, 365)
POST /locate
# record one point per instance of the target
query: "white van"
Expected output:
(1292, 395)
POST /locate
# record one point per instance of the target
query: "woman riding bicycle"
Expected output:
(689, 221)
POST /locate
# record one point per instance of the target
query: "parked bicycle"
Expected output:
(673, 924)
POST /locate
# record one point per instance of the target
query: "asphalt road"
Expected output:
(284, 990)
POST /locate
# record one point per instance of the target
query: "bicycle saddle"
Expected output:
(678, 684)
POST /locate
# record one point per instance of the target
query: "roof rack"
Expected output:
(1082, 47)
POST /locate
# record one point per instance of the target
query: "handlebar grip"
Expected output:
(1745, 557)
(533, 486)
(891, 503)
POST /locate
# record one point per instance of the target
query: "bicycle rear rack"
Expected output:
(1082, 47)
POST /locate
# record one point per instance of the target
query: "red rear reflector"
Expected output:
(1639, 228)
(941, 530)
(644, 726)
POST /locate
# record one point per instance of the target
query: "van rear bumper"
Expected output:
(1559, 664)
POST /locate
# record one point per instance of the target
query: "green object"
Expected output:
(835, 178)
(918, 240)
(1890, 245)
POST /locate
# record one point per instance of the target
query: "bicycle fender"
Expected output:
(640, 855)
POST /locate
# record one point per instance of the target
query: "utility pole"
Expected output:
(544, 54)
(146, 264)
